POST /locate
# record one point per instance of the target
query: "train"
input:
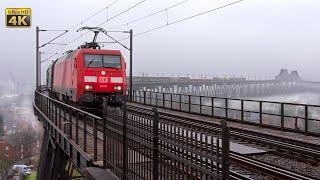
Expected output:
(87, 75)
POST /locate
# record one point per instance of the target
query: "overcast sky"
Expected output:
(254, 38)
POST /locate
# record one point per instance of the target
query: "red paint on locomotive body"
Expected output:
(87, 75)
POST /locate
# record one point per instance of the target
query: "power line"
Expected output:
(109, 19)
(188, 18)
(50, 42)
(149, 15)
(89, 17)
(119, 14)
(49, 58)
(94, 14)
(184, 19)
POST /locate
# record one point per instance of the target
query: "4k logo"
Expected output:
(18, 17)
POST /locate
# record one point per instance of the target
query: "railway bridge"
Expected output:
(175, 136)
(234, 87)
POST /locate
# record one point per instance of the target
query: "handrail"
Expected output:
(246, 111)
(236, 99)
(69, 106)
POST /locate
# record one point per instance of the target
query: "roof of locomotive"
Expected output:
(98, 51)
(88, 51)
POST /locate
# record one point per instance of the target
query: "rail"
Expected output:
(240, 160)
(301, 118)
(136, 145)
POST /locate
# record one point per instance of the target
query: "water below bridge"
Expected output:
(299, 98)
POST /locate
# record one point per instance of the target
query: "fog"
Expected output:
(254, 38)
(299, 98)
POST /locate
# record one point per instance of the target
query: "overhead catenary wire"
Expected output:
(51, 41)
(91, 16)
(184, 19)
(119, 14)
(109, 19)
(49, 58)
(86, 19)
(94, 14)
(149, 15)
(188, 18)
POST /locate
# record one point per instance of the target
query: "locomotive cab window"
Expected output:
(110, 61)
(98, 61)
(93, 61)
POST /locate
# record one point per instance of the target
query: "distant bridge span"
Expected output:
(235, 87)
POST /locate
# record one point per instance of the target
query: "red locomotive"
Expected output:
(88, 74)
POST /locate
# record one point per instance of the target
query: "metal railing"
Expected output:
(143, 145)
(138, 144)
(302, 118)
(70, 126)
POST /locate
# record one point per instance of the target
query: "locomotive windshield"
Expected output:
(99, 61)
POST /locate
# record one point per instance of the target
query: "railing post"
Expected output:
(242, 110)
(225, 149)
(150, 97)
(64, 119)
(59, 117)
(171, 100)
(47, 107)
(77, 127)
(226, 106)
(70, 121)
(49, 110)
(124, 142)
(133, 95)
(56, 118)
(104, 148)
(95, 140)
(155, 144)
(296, 124)
(180, 102)
(163, 100)
(40, 101)
(84, 133)
(260, 113)
(306, 124)
(59, 121)
(217, 152)
(212, 106)
(35, 98)
(55, 114)
(200, 104)
(282, 116)
(157, 99)
(189, 103)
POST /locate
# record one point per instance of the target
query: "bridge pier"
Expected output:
(53, 161)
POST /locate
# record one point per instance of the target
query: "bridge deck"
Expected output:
(234, 147)
(247, 127)
(142, 153)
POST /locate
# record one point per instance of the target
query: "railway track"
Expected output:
(260, 139)
(246, 135)
(274, 172)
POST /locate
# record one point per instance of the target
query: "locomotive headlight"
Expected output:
(88, 87)
(117, 88)
(116, 80)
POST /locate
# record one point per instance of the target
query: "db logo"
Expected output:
(103, 79)
(18, 17)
